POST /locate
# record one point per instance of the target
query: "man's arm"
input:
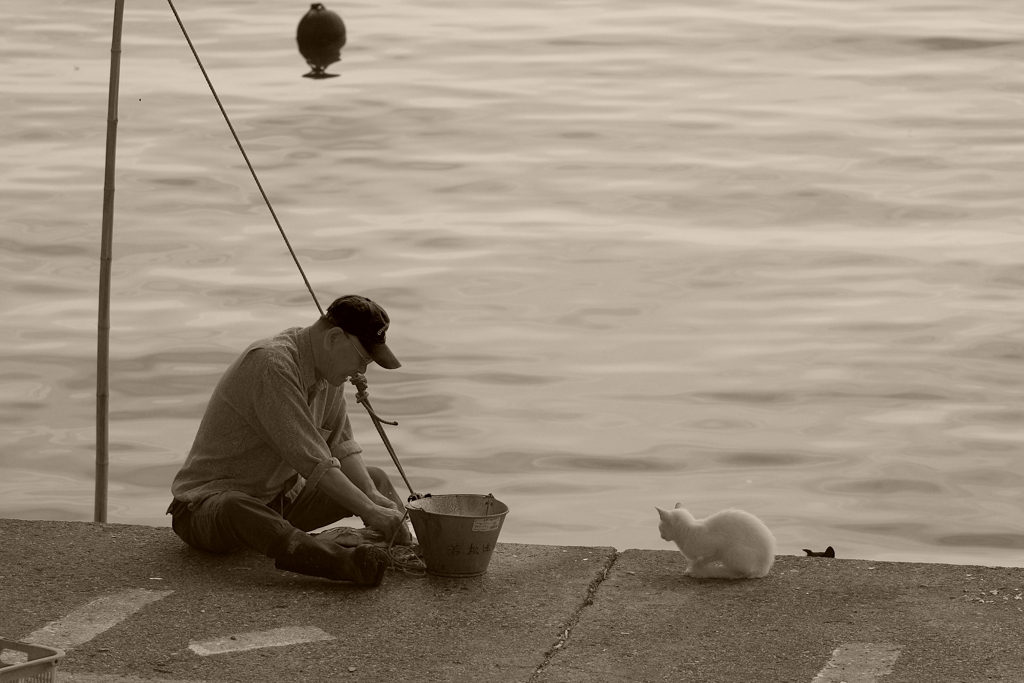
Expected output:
(353, 467)
(341, 489)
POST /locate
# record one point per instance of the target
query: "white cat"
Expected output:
(731, 544)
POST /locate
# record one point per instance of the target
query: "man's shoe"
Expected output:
(370, 563)
(303, 554)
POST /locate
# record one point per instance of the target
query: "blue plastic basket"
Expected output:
(41, 666)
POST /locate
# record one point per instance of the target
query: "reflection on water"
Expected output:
(752, 254)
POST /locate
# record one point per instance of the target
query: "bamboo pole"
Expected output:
(106, 248)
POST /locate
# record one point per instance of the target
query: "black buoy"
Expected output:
(321, 36)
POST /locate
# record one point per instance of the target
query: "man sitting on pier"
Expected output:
(275, 457)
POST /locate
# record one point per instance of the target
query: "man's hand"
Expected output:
(404, 536)
(380, 499)
(385, 520)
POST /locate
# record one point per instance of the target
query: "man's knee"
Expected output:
(383, 484)
(377, 475)
(232, 520)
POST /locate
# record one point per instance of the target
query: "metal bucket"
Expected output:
(457, 533)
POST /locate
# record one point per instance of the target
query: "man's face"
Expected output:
(346, 356)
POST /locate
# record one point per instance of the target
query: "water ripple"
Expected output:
(762, 255)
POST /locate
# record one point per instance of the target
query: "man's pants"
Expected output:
(233, 520)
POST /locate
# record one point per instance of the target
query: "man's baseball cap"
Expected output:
(368, 322)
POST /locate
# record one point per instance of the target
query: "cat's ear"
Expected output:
(662, 513)
(678, 505)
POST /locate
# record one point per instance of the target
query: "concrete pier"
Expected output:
(133, 603)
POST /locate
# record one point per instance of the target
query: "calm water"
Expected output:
(764, 254)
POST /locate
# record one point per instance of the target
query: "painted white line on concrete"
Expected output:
(72, 677)
(93, 618)
(859, 663)
(289, 635)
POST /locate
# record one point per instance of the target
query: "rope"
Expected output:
(245, 156)
(403, 558)
(363, 397)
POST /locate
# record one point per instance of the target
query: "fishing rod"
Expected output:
(358, 380)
